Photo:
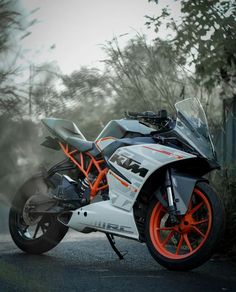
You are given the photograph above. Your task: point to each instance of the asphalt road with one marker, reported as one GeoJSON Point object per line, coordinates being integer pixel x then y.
{"type": "Point", "coordinates": [87, 263]}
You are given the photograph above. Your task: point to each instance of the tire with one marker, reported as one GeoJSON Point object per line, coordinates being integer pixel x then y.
{"type": "Point", "coordinates": [50, 231]}
{"type": "Point", "coordinates": [192, 242]}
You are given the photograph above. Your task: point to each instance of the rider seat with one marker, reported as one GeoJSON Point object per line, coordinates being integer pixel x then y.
{"type": "Point", "coordinates": [81, 145]}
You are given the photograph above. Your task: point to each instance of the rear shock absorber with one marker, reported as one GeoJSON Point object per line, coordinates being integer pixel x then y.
{"type": "Point", "coordinates": [84, 190]}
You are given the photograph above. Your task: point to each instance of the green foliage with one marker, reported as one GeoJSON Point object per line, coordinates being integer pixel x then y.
{"type": "Point", "coordinates": [225, 184]}
{"type": "Point", "coordinates": [205, 37]}
{"type": "Point", "coordinates": [143, 76]}
{"type": "Point", "coordinates": [13, 27]}
{"type": "Point", "coordinates": [140, 76]}
{"type": "Point", "coordinates": [87, 95]}
{"type": "Point", "coordinates": [86, 84]}
{"type": "Point", "coordinates": [10, 22]}
{"type": "Point", "coordinates": [44, 97]}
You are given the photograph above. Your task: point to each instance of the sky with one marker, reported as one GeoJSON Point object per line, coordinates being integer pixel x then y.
{"type": "Point", "coordinates": [78, 28]}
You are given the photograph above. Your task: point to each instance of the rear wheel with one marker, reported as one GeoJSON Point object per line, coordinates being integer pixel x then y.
{"type": "Point", "coordinates": [191, 242]}
{"type": "Point", "coordinates": [33, 234]}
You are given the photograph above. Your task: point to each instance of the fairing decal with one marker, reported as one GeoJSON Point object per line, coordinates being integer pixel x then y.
{"type": "Point", "coordinates": [149, 157]}
{"type": "Point", "coordinates": [165, 152]}
{"type": "Point", "coordinates": [104, 217]}
{"type": "Point", "coordinates": [129, 164]}
{"type": "Point", "coordinates": [104, 142]}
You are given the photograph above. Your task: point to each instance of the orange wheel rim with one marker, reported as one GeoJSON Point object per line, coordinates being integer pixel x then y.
{"type": "Point", "coordinates": [187, 237]}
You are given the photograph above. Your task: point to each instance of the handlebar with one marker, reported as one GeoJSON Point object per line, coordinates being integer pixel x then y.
{"type": "Point", "coordinates": [162, 114]}
{"type": "Point", "coordinates": [147, 114]}
{"type": "Point", "coordinates": [159, 119]}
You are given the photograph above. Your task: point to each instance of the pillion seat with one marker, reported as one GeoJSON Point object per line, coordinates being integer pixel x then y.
{"type": "Point", "coordinates": [67, 131]}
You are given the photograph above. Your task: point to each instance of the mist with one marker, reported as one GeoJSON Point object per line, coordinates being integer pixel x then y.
{"type": "Point", "coordinates": [90, 63]}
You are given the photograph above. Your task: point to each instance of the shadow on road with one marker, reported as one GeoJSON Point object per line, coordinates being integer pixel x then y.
{"type": "Point", "coordinates": [86, 263]}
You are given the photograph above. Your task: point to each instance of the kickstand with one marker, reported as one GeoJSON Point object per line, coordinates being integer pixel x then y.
{"type": "Point", "coordinates": [112, 242]}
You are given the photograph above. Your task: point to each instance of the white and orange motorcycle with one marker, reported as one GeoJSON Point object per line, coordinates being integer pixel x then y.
{"type": "Point", "coordinates": [142, 178]}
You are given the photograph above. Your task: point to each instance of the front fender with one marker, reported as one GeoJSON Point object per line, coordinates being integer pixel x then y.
{"type": "Point", "coordinates": [182, 187]}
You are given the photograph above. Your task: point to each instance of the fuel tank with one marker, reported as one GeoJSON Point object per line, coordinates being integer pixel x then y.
{"type": "Point", "coordinates": [124, 128]}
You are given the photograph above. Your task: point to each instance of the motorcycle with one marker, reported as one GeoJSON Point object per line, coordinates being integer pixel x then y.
{"type": "Point", "coordinates": [142, 179]}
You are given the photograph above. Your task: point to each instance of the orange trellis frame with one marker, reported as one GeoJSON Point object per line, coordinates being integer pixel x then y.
{"type": "Point", "coordinates": [100, 183]}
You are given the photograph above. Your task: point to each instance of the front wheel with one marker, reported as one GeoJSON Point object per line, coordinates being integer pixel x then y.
{"type": "Point", "coordinates": [192, 241]}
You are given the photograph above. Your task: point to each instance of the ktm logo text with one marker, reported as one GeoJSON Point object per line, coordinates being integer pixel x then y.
{"type": "Point", "coordinates": [129, 164]}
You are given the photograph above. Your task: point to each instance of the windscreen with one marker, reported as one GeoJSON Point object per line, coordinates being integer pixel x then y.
{"type": "Point", "coordinates": [192, 125]}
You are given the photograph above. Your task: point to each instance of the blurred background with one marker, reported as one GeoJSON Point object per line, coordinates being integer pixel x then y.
{"type": "Point", "coordinates": [89, 61]}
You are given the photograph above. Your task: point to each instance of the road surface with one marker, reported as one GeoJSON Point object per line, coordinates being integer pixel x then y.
{"type": "Point", "coordinates": [87, 263]}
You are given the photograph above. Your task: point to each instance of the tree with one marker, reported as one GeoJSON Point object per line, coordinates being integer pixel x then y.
{"type": "Point", "coordinates": [87, 94]}
{"type": "Point", "coordinates": [19, 145]}
{"type": "Point", "coordinates": [143, 76]}
{"type": "Point", "coordinates": [205, 37]}
{"type": "Point", "coordinates": [13, 28]}
{"type": "Point", "coordinates": [44, 97]}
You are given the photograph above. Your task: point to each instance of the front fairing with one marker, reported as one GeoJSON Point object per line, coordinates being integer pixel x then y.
{"type": "Point", "coordinates": [191, 125]}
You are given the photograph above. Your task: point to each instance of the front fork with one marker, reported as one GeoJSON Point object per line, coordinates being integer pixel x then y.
{"type": "Point", "coordinates": [179, 188]}
{"type": "Point", "coordinates": [171, 209]}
